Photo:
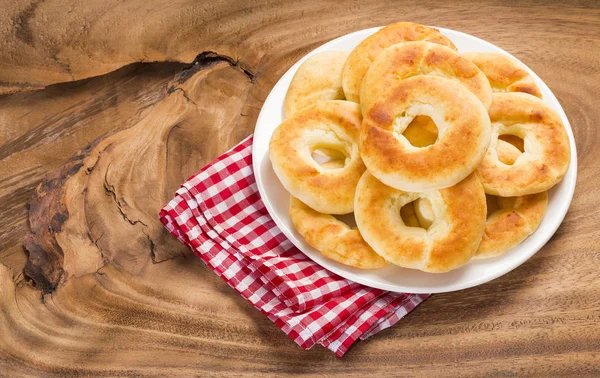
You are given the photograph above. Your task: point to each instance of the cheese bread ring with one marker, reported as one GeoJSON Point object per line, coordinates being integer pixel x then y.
{"type": "Point", "coordinates": [546, 155]}
{"type": "Point", "coordinates": [449, 242]}
{"type": "Point", "coordinates": [319, 78]}
{"type": "Point", "coordinates": [366, 52]}
{"type": "Point", "coordinates": [409, 59]}
{"type": "Point", "coordinates": [514, 220]}
{"type": "Point", "coordinates": [333, 238]}
{"type": "Point", "coordinates": [332, 125]}
{"type": "Point", "coordinates": [504, 73]}
{"type": "Point", "coordinates": [462, 141]}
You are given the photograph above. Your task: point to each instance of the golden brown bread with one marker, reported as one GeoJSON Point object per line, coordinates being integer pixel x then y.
{"type": "Point", "coordinates": [333, 238]}
{"type": "Point", "coordinates": [332, 125]}
{"type": "Point", "coordinates": [504, 73]}
{"type": "Point", "coordinates": [546, 154]}
{"type": "Point", "coordinates": [425, 130]}
{"type": "Point", "coordinates": [449, 242]}
{"type": "Point", "coordinates": [464, 134]}
{"type": "Point", "coordinates": [404, 60]}
{"type": "Point", "coordinates": [510, 219]}
{"type": "Point", "coordinates": [319, 78]}
{"type": "Point", "coordinates": [515, 219]}
{"type": "Point", "coordinates": [360, 58]}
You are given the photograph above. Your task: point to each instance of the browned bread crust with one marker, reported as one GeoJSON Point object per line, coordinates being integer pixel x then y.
{"type": "Point", "coordinates": [464, 134]}
{"type": "Point", "coordinates": [329, 124]}
{"type": "Point", "coordinates": [319, 78]}
{"type": "Point", "coordinates": [409, 59]}
{"type": "Point", "coordinates": [333, 238]}
{"type": "Point", "coordinates": [366, 52]}
{"type": "Point", "coordinates": [448, 243]}
{"type": "Point", "coordinates": [504, 73]}
{"type": "Point", "coordinates": [547, 152]}
{"type": "Point", "coordinates": [514, 220]}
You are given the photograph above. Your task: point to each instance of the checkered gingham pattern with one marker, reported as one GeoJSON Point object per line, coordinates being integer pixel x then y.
{"type": "Point", "coordinates": [218, 213]}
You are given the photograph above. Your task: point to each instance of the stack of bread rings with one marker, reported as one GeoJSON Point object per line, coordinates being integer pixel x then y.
{"type": "Point", "coordinates": [441, 157]}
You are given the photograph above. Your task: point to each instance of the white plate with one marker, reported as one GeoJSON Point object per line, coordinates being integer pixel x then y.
{"type": "Point", "coordinates": [395, 278]}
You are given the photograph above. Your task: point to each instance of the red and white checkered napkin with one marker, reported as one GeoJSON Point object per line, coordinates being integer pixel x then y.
{"type": "Point", "coordinates": [219, 214]}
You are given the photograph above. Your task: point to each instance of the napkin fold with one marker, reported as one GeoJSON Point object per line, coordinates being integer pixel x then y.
{"type": "Point", "coordinates": [219, 214]}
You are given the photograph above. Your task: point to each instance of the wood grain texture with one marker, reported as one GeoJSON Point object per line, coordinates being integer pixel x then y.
{"type": "Point", "coordinates": [86, 163]}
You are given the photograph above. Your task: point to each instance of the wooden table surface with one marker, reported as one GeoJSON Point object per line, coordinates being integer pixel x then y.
{"type": "Point", "coordinates": [94, 139]}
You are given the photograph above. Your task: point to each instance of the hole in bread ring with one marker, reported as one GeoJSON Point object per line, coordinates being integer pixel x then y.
{"type": "Point", "coordinates": [504, 73]}
{"type": "Point", "coordinates": [510, 221]}
{"type": "Point", "coordinates": [366, 52]}
{"type": "Point", "coordinates": [450, 241]}
{"type": "Point", "coordinates": [330, 157]}
{"type": "Point", "coordinates": [421, 131]}
{"type": "Point", "coordinates": [333, 238]}
{"type": "Point", "coordinates": [332, 125]}
{"type": "Point", "coordinates": [404, 60]}
{"type": "Point", "coordinates": [507, 152]}
{"type": "Point", "coordinates": [546, 154]}
{"type": "Point", "coordinates": [463, 134]}
{"type": "Point", "coordinates": [418, 213]}
{"type": "Point", "coordinates": [513, 140]}
{"type": "Point", "coordinates": [424, 212]}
